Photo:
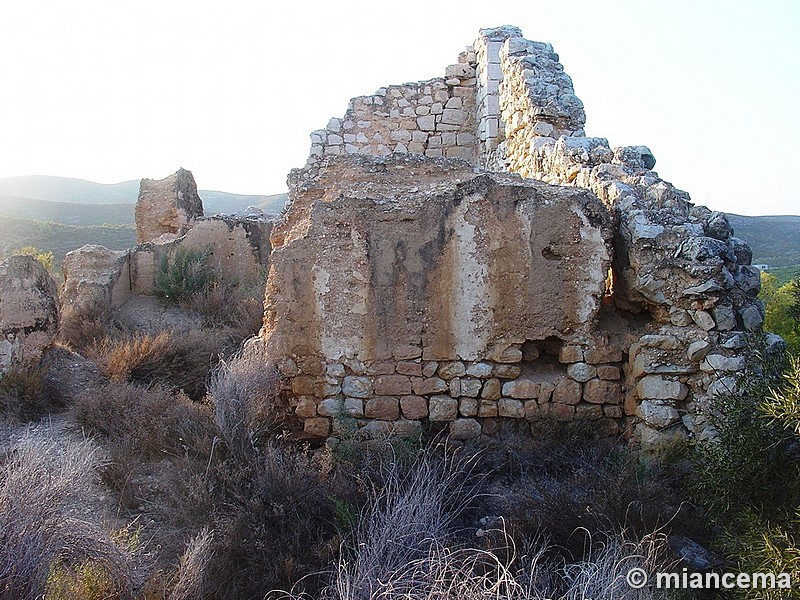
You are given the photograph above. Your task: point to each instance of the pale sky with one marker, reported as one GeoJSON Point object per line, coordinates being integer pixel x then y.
{"type": "Point", "coordinates": [111, 91]}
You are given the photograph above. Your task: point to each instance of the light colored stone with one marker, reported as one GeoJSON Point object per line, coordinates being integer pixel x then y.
{"type": "Point", "coordinates": [658, 414]}
{"type": "Point", "coordinates": [719, 362]}
{"type": "Point", "coordinates": [471, 387]}
{"type": "Point", "coordinates": [353, 407]}
{"type": "Point", "coordinates": [698, 350]}
{"type": "Point", "coordinates": [357, 387]}
{"type": "Point", "coordinates": [655, 387]}
{"type": "Point", "coordinates": [581, 371]}
{"type": "Point", "coordinates": [480, 370]}
{"type": "Point", "coordinates": [507, 371]}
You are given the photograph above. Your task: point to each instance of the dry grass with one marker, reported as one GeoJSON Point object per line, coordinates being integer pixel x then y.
{"type": "Point", "coordinates": [80, 330]}
{"type": "Point", "coordinates": [147, 423]}
{"type": "Point", "coordinates": [193, 567]}
{"type": "Point", "coordinates": [244, 392]}
{"type": "Point", "coordinates": [178, 361]}
{"type": "Point", "coordinates": [25, 395]}
{"type": "Point", "coordinates": [231, 305]}
{"type": "Point", "coordinates": [42, 481]}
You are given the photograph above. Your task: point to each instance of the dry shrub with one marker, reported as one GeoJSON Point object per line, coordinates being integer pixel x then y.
{"type": "Point", "coordinates": [148, 423]}
{"type": "Point", "coordinates": [244, 392]}
{"type": "Point", "coordinates": [42, 480]}
{"type": "Point", "coordinates": [178, 361]}
{"type": "Point", "coordinates": [231, 305]}
{"type": "Point", "coordinates": [25, 395]}
{"type": "Point", "coordinates": [82, 329]}
{"type": "Point", "coordinates": [279, 523]}
{"type": "Point", "coordinates": [193, 566]}
{"type": "Point", "coordinates": [567, 480]}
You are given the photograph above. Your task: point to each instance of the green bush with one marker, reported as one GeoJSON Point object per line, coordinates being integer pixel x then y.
{"type": "Point", "coordinates": [184, 274]}
{"type": "Point", "coordinates": [749, 477]}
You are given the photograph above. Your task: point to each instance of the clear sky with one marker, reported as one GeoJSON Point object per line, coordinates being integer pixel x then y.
{"type": "Point", "coordinates": [111, 91]}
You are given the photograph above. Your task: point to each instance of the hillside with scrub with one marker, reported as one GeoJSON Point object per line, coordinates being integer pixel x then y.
{"type": "Point", "coordinates": [478, 355]}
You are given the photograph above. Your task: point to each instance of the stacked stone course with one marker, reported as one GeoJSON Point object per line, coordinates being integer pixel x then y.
{"type": "Point", "coordinates": [681, 294]}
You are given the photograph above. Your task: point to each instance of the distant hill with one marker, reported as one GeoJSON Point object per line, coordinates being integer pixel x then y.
{"type": "Point", "coordinates": [80, 191]}
{"type": "Point", "coordinates": [60, 239]}
{"type": "Point", "coordinates": [68, 213]}
{"type": "Point", "coordinates": [775, 240]}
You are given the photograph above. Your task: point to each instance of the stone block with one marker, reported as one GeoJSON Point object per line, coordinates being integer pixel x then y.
{"type": "Point", "coordinates": [719, 362]}
{"type": "Point", "coordinates": [384, 408]}
{"type": "Point", "coordinates": [603, 354]}
{"type": "Point", "coordinates": [491, 389]}
{"type": "Point", "coordinates": [448, 370]}
{"type": "Point", "coordinates": [429, 369]}
{"type": "Point", "coordinates": [570, 354]}
{"type": "Point", "coordinates": [414, 407]}
{"type": "Point", "coordinates": [442, 408]}
{"type": "Point", "coordinates": [353, 407]}
{"type": "Point", "coordinates": [521, 388]}
{"type": "Point", "coordinates": [412, 369]}
{"type": "Point", "coordinates": [608, 372]}
{"type": "Point", "coordinates": [588, 412]}
{"type": "Point", "coordinates": [510, 407]}
{"type": "Point", "coordinates": [392, 385]}
{"type": "Point", "coordinates": [430, 385]}
{"type": "Point", "coordinates": [562, 412]}
{"type": "Point", "coordinates": [468, 407]}
{"type": "Point", "coordinates": [464, 429]}
{"type": "Point", "coordinates": [471, 387]}
{"type": "Point", "coordinates": [356, 387]}
{"type": "Point", "coordinates": [567, 391]}
{"type": "Point", "coordinates": [426, 123]}
{"type": "Point", "coordinates": [598, 391]}
{"type": "Point", "coordinates": [507, 371]}
{"type": "Point", "coordinates": [331, 407]}
{"type": "Point", "coordinates": [614, 412]}
{"type": "Point", "coordinates": [303, 385]}
{"type": "Point", "coordinates": [658, 414]}
{"type": "Point", "coordinates": [317, 426]}
{"type": "Point", "coordinates": [698, 350]}
{"type": "Point", "coordinates": [546, 392]}
{"type": "Point", "coordinates": [481, 370]}
{"type": "Point", "coordinates": [581, 371]}
{"type": "Point", "coordinates": [306, 407]}
{"type": "Point", "coordinates": [487, 408]}
{"type": "Point", "coordinates": [654, 387]}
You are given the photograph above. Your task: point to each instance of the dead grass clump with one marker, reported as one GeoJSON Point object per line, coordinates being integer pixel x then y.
{"type": "Point", "coordinates": [80, 330]}
{"type": "Point", "coordinates": [180, 362]}
{"type": "Point", "coordinates": [193, 567]}
{"type": "Point", "coordinates": [233, 305]}
{"type": "Point", "coordinates": [279, 524]}
{"type": "Point", "coordinates": [41, 484]}
{"type": "Point", "coordinates": [244, 392]}
{"type": "Point", "coordinates": [25, 395]}
{"type": "Point", "coordinates": [150, 423]}
{"type": "Point", "coordinates": [567, 481]}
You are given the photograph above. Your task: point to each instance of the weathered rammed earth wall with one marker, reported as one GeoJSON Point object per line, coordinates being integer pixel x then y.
{"type": "Point", "coordinates": [406, 290]}
{"type": "Point", "coordinates": [28, 312]}
{"type": "Point", "coordinates": [169, 218]}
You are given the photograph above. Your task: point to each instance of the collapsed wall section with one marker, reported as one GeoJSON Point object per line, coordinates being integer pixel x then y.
{"type": "Point", "coordinates": [405, 290]}
{"type": "Point", "coordinates": [28, 312]}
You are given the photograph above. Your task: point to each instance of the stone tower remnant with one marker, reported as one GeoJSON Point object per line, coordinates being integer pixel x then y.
{"type": "Point", "coordinates": [169, 205]}
{"type": "Point", "coordinates": [458, 251]}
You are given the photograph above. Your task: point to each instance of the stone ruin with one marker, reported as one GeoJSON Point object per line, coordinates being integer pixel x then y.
{"type": "Point", "coordinates": [28, 312]}
{"type": "Point", "coordinates": [457, 251]}
{"type": "Point", "coordinates": [169, 218]}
